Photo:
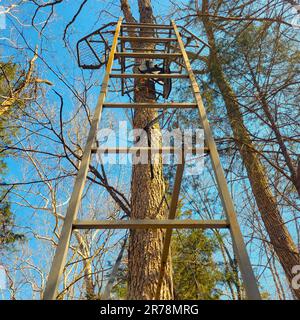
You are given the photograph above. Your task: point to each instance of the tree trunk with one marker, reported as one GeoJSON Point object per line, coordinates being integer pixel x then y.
{"type": "Point", "coordinates": [280, 238]}
{"type": "Point", "coordinates": [147, 189]}
{"type": "Point", "coordinates": [87, 266]}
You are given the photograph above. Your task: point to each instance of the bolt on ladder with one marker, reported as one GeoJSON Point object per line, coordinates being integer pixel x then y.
{"type": "Point", "coordinates": [70, 222]}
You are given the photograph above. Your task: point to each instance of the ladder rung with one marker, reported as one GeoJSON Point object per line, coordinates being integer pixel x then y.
{"type": "Point", "coordinates": [147, 55]}
{"type": "Point", "coordinates": [146, 25]}
{"type": "Point", "coordinates": [149, 75]}
{"type": "Point", "coordinates": [150, 224]}
{"type": "Point", "coordinates": [151, 105]}
{"type": "Point", "coordinates": [167, 150]}
{"type": "Point", "coordinates": [157, 32]}
{"type": "Point", "coordinates": [133, 49]}
{"type": "Point", "coordinates": [147, 39]}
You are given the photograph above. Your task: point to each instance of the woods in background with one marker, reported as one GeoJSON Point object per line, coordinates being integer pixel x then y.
{"type": "Point", "coordinates": [250, 85]}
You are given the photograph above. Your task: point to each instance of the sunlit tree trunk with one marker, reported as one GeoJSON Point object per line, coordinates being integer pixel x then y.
{"type": "Point", "coordinates": [147, 190]}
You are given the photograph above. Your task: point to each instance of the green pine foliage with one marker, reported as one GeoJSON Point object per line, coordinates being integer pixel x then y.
{"type": "Point", "coordinates": [7, 236]}
{"type": "Point", "coordinates": [196, 274]}
{"type": "Point", "coordinates": [8, 75]}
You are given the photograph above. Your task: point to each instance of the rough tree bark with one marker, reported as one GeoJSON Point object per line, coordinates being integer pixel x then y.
{"type": "Point", "coordinates": [147, 188]}
{"type": "Point", "coordinates": [283, 244]}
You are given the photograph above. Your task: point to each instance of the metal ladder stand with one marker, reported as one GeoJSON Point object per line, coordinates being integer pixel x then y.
{"type": "Point", "coordinates": [70, 222]}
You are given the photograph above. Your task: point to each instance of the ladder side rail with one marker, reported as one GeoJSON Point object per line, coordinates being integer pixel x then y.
{"type": "Point", "coordinates": [59, 260]}
{"type": "Point", "coordinates": [239, 247]}
{"type": "Point", "coordinates": [122, 62]}
{"type": "Point", "coordinates": [168, 234]}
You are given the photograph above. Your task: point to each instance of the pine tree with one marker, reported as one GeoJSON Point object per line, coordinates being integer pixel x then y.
{"type": "Point", "coordinates": [281, 239]}
{"type": "Point", "coordinates": [8, 73]}
{"type": "Point", "coordinates": [147, 186]}
{"type": "Point", "coordinates": [196, 275]}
